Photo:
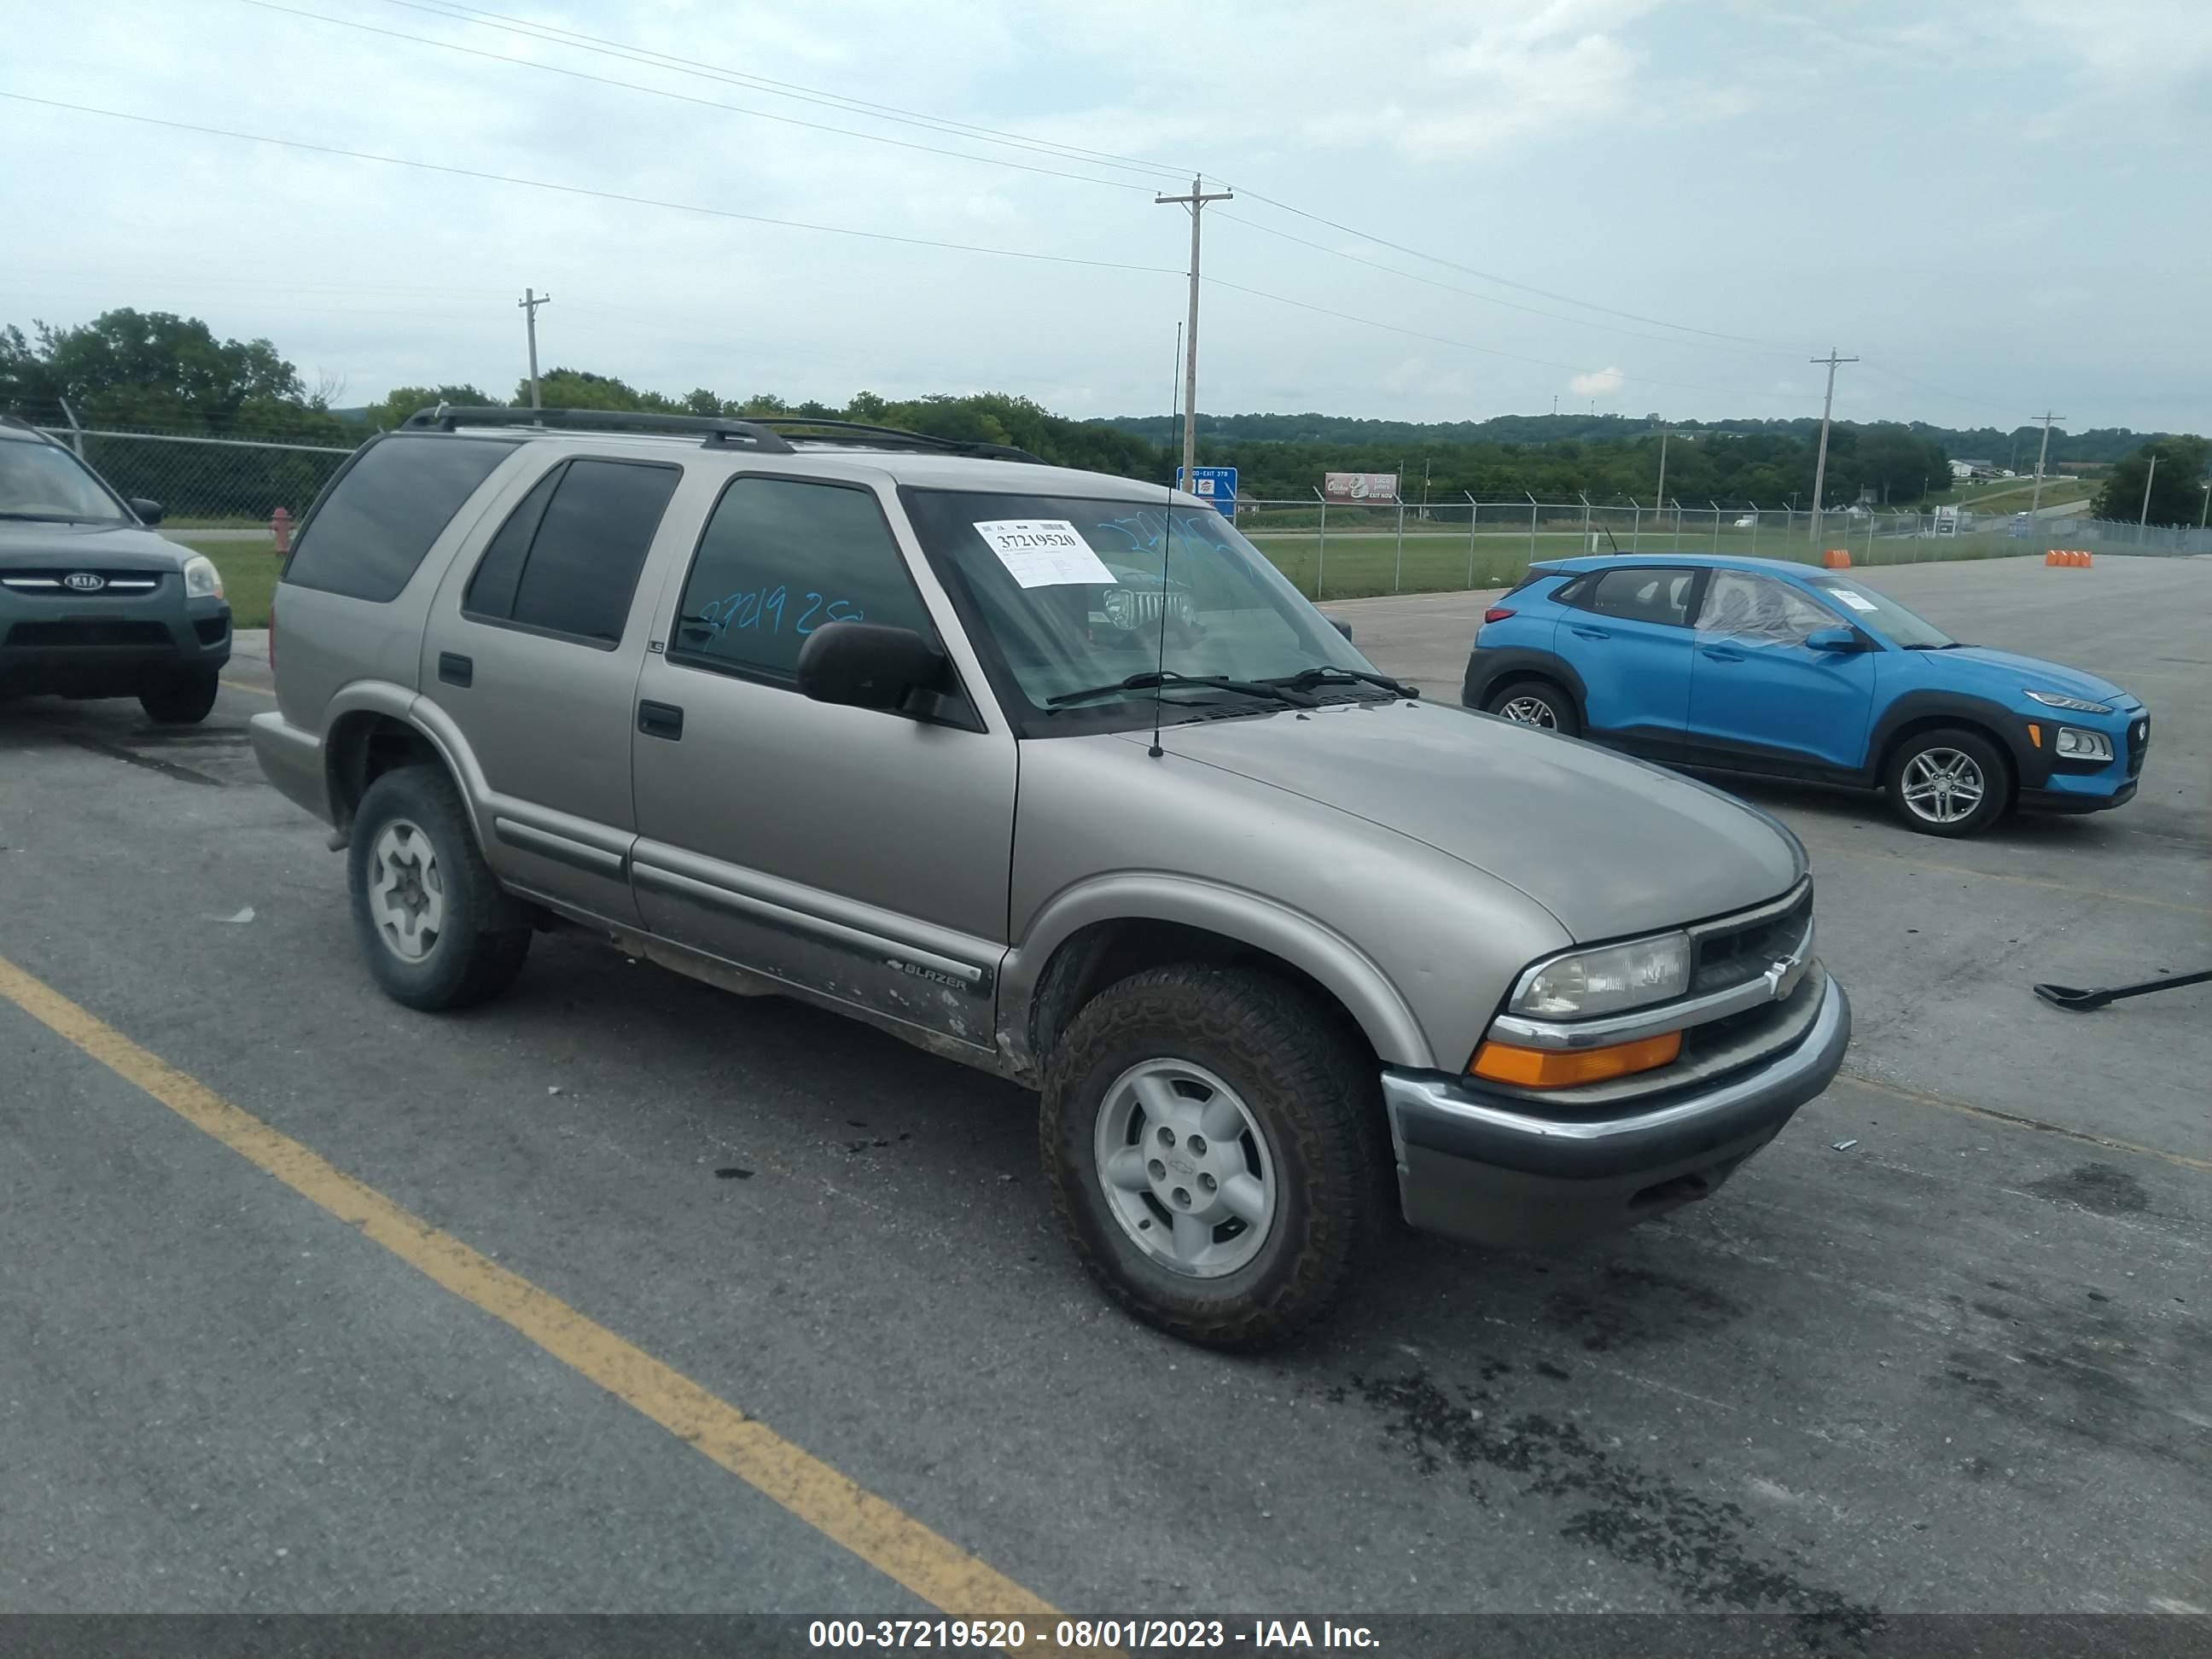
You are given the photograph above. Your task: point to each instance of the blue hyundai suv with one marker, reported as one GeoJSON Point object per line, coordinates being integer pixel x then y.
{"type": "Point", "coordinates": [1763, 666]}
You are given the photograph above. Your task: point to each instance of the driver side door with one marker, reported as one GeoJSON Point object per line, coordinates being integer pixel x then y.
{"type": "Point", "coordinates": [1759, 699]}
{"type": "Point", "coordinates": [860, 854]}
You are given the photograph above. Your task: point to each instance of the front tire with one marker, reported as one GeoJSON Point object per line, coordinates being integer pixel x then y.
{"type": "Point", "coordinates": [1208, 1135]}
{"type": "Point", "coordinates": [183, 699]}
{"type": "Point", "coordinates": [1536, 703]}
{"type": "Point", "coordinates": [437, 930]}
{"type": "Point", "coordinates": [1949, 782]}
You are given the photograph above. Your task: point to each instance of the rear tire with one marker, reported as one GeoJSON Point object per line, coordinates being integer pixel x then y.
{"type": "Point", "coordinates": [438, 931]}
{"type": "Point", "coordinates": [1949, 781]}
{"type": "Point", "coordinates": [1208, 1137]}
{"type": "Point", "coordinates": [1538, 703]}
{"type": "Point", "coordinates": [183, 699]}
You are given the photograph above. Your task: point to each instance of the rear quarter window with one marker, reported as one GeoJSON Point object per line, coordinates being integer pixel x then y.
{"type": "Point", "coordinates": [370, 533]}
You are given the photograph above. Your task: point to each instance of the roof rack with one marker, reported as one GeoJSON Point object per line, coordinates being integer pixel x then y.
{"type": "Point", "coordinates": [806, 427]}
{"type": "Point", "coordinates": [448, 418]}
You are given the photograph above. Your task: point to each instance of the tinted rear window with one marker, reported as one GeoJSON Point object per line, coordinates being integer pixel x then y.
{"type": "Point", "coordinates": [588, 547]}
{"type": "Point", "coordinates": [382, 516]}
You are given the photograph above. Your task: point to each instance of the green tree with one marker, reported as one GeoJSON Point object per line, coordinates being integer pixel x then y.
{"type": "Point", "coordinates": [400, 402]}
{"type": "Point", "coordinates": [153, 369]}
{"type": "Point", "coordinates": [2176, 489]}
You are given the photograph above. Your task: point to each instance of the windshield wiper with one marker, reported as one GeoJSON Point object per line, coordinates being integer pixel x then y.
{"type": "Point", "coordinates": [1329, 674]}
{"type": "Point", "coordinates": [1167, 679]}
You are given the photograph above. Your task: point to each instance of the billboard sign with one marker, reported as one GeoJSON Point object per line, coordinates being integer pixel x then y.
{"type": "Point", "coordinates": [1359, 486]}
{"type": "Point", "coordinates": [1214, 485]}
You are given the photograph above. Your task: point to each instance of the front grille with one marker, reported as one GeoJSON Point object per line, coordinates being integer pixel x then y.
{"type": "Point", "coordinates": [68, 635]}
{"type": "Point", "coordinates": [2138, 744]}
{"type": "Point", "coordinates": [1735, 953]}
{"type": "Point", "coordinates": [53, 584]}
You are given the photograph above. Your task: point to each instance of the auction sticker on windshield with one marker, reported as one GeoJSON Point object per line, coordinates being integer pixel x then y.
{"type": "Point", "coordinates": [1853, 599]}
{"type": "Point", "coordinates": [1043, 552]}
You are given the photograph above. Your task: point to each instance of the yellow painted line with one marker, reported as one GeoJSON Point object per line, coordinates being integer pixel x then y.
{"type": "Point", "coordinates": [240, 685]}
{"type": "Point", "coordinates": [1827, 849]}
{"type": "Point", "coordinates": [2014, 1121]}
{"type": "Point", "coordinates": [885, 1536]}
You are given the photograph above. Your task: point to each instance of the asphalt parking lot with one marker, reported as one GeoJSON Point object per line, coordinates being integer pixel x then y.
{"type": "Point", "coordinates": [1957, 1364]}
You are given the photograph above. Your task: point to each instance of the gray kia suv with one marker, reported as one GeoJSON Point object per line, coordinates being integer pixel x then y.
{"type": "Point", "coordinates": [1051, 774]}
{"type": "Point", "coordinates": [92, 603]}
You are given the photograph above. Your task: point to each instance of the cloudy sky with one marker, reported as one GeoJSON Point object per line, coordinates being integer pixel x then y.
{"type": "Point", "coordinates": [1443, 210]}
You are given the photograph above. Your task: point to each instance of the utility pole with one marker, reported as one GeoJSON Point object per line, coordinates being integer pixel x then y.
{"type": "Point", "coordinates": [529, 302]}
{"type": "Point", "coordinates": [2205, 511]}
{"type": "Point", "coordinates": [1195, 202]}
{"type": "Point", "coordinates": [1820, 465]}
{"type": "Point", "coordinates": [1663, 431]}
{"type": "Point", "coordinates": [2144, 518]}
{"type": "Point", "coordinates": [2036, 500]}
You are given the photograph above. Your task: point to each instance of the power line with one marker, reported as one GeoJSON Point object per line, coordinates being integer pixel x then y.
{"type": "Point", "coordinates": [687, 98]}
{"type": "Point", "coordinates": [576, 41]}
{"type": "Point", "coordinates": [1502, 282]}
{"type": "Point", "coordinates": [1445, 339]}
{"type": "Point", "coordinates": [580, 41]}
{"type": "Point", "coordinates": [1487, 299]}
{"type": "Point", "coordinates": [597, 195]}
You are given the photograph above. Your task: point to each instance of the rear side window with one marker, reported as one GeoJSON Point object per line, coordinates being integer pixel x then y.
{"type": "Point", "coordinates": [369, 535]}
{"type": "Point", "coordinates": [1644, 595]}
{"type": "Point", "coordinates": [781, 557]}
{"type": "Point", "coordinates": [567, 560]}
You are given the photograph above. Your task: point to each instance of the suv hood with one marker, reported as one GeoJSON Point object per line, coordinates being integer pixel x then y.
{"type": "Point", "coordinates": [1609, 845]}
{"type": "Point", "coordinates": [2004, 674]}
{"type": "Point", "coordinates": [34, 543]}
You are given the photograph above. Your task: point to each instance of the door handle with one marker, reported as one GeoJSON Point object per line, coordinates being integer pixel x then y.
{"type": "Point", "coordinates": [1721, 653]}
{"type": "Point", "coordinates": [1591, 634]}
{"type": "Point", "coordinates": [455, 669]}
{"type": "Point", "coordinates": [660, 720]}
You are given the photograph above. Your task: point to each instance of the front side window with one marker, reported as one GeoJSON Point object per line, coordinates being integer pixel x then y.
{"type": "Point", "coordinates": [1760, 610]}
{"type": "Point", "coordinates": [781, 558]}
{"type": "Point", "coordinates": [1076, 594]}
{"type": "Point", "coordinates": [567, 560]}
{"type": "Point", "coordinates": [371, 532]}
{"type": "Point", "coordinates": [43, 481]}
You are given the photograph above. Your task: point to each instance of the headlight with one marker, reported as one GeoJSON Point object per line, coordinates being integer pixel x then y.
{"type": "Point", "coordinates": [202, 580]}
{"type": "Point", "coordinates": [1606, 981]}
{"type": "Point", "coordinates": [2052, 700]}
{"type": "Point", "coordinates": [2078, 744]}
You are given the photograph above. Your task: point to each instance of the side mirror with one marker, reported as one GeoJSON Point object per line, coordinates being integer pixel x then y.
{"type": "Point", "coordinates": [149, 512]}
{"type": "Point", "coordinates": [1340, 626]}
{"type": "Point", "coordinates": [870, 666]}
{"type": "Point", "coordinates": [1844, 640]}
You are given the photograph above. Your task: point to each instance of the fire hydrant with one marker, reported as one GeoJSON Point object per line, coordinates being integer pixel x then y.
{"type": "Point", "coordinates": [280, 527]}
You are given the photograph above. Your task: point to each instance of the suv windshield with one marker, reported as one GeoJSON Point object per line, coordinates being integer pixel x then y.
{"type": "Point", "coordinates": [43, 481]}
{"type": "Point", "coordinates": [1075, 595]}
{"type": "Point", "coordinates": [1884, 615]}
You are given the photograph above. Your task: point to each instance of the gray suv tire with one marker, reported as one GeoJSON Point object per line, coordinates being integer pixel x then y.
{"type": "Point", "coordinates": [1148, 1071]}
{"type": "Point", "coordinates": [183, 699]}
{"type": "Point", "coordinates": [436, 928]}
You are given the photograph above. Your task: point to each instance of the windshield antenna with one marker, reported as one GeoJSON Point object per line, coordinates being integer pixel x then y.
{"type": "Point", "coordinates": [1160, 680]}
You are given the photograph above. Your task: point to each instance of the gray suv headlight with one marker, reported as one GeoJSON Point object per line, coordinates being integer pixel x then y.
{"type": "Point", "coordinates": [1606, 980]}
{"type": "Point", "coordinates": [202, 580]}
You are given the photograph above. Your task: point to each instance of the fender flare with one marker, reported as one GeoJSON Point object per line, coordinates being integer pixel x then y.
{"type": "Point", "coordinates": [422, 716]}
{"type": "Point", "coordinates": [1332, 960]}
{"type": "Point", "coordinates": [1487, 669]}
{"type": "Point", "coordinates": [2030, 766]}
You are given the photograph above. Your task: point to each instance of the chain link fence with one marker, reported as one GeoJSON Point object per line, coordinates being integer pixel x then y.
{"type": "Point", "coordinates": [1342, 550]}
{"type": "Point", "coordinates": [204, 482]}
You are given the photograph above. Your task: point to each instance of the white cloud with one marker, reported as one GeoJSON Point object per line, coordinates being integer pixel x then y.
{"type": "Point", "coordinates": [1598, 383]}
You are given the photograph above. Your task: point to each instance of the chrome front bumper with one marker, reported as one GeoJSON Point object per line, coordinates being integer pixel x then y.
{"type": "Point", "coordinates": [1482, 1165]}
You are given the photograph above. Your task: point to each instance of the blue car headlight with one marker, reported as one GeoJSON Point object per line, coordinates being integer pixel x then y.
{"type": "Point", "coordinates": [2052, 700]}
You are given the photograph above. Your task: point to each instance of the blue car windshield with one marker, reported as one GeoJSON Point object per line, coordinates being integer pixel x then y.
{"type": "Point", "coordinates": [1882, 614]}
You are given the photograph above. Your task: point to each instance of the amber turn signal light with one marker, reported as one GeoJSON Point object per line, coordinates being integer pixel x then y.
{"type": "Point", "coordinates": [1557, 1068]}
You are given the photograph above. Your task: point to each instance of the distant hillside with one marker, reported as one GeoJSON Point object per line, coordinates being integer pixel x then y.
{"type": "Point", "coordinates": [2015, 448]}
